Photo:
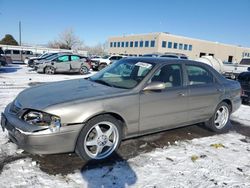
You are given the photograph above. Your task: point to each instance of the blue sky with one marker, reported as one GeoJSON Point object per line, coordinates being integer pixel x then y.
{"type": "Point", "coordinates": [94, 21]}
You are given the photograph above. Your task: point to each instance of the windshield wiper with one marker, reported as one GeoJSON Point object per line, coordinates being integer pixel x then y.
{"type": "Point", "coordinates": [102, 82]}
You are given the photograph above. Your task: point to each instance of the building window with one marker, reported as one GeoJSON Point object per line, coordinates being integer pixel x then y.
{"type": "Point", "coordinates": [141, 43]}
{"type": "Point", "coordinates": [118, 44]}
{"type": "Point", "coordinates": [126, 44]}
{"type": "Point", "coordinates": [146, 43]}
{"type": "Point", "coordinates": [152, 43]}
{"type": "Point", "coordinates": [111, 44]}
{"type": "Point", "coordinates": [190, 47]}
{"type": "Point", "coordinates": [122, 44]}
{"type": "Point", "coordinates": [185, 46]}
{"type": "Point", "coordinates": [180, 46]}
{"type": "Point", "coordinates": [131, 43]}
{"type": "Point", "coordinates": [175, 45]}
{"type": "Point", "coordinates": [114, 44]}
{"type": "Point", "coordinates": [169, 44]}
{"type": "Point", "coordinates": [163, 44]}
{"type": "Point", "coordinates": [136, 43]}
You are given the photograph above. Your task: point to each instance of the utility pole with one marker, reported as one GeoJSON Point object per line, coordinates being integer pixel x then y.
{"type": "Point", "coordinates": [20, 33]}
{"type": "Point", "coordinates": [20, 39]}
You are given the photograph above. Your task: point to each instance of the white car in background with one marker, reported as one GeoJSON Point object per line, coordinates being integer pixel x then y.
{"type": "Point", "coordinates": [100, 63]}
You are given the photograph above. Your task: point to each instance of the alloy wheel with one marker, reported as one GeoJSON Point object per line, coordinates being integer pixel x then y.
{"type": "Point", "coordinates": [101, 140]}
{"type": "Point", "coordinates": [221, 117]}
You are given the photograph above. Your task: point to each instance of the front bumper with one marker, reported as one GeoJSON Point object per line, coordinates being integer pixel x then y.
{"type": "Point", "coordinates": [94, 64]}
{"type": "Point", "coordinates": [39, 142]}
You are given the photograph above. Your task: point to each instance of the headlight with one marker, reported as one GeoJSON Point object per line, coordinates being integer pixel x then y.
{"type": "Point", "coordinates": [42, 119]}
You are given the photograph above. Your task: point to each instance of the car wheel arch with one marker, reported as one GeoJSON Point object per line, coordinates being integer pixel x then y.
{"type": "Point", "coordinates": [116, 116]}
{"type": "Point", "coordinates": [113, 114]}
{"type": "Point", "coordinates": [48, 66]}
{"type": "Point", "coordinates": [229, 102]}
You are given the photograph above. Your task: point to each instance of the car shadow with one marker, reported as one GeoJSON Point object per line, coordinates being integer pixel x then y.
{"type": "Point", "coordinates": [112, 172]}
{"type": "Point", "coordinates": [9, 69]}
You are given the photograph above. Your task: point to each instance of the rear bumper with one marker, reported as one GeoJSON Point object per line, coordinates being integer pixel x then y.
{"type": "Point", "coordinates": [236, 104]}
{"type": "Point", "coordinates": [40, 142]}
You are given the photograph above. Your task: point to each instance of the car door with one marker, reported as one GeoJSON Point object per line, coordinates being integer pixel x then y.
{"type": "Point", "coordinates": [62, 63]}
{"type": "Point", "coordinates": [204, 92]}
{"type": "Point", "coordinates": [75, 62]}
{"type": "Point", "coordinates": [166, 108]}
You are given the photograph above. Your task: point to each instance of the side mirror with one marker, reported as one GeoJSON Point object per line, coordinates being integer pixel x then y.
{"type": "Point", "coordinates": [154, 86]}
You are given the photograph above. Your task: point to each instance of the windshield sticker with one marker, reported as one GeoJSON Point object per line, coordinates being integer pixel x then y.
{"type": "Point", "coordinates": [144, 65]}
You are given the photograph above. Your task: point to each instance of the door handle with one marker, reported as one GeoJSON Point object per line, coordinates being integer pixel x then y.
{"type": "Point", "coordinates": [181, 94]}
{"type": "Point", "coordinates": [219, 89]}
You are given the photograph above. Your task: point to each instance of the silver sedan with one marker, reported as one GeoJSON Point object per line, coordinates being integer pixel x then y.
{"type": "Point", "coordinates": [132, 97]}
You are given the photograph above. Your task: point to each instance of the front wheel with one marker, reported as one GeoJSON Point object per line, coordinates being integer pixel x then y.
{"type": "Point", "coordinates": [99, 138]}
{"type": "Point", "coordinates": [83, 70]}
{"type": "Point", "coordinates": [220, 122]}
{"type": "Point", "coordinates": [49, 70]}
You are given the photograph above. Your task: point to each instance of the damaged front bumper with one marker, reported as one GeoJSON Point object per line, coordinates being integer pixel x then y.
{"type": "Point", "coordinates": [35, 139]}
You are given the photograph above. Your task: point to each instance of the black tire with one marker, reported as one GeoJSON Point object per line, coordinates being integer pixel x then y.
{"type": "Point", "coordinates": [83, 70]}
{"type": "Point", "coordinates": [49, 70]}
{"type": "Point", "coordinates": [86, 151]}
{"type": "Point", "coordinates": [225, 121]}
{"type": "Point", "coordinates": [102, 66]}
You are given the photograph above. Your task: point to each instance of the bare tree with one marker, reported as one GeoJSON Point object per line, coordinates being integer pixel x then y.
{"type": "Point", "coordinates": [95, 50]}
{"type": "Point", "coordinates": [67, 40]}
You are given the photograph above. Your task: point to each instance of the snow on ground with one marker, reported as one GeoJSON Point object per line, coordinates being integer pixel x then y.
{"type": "Point", "coordinates": [216, 161]}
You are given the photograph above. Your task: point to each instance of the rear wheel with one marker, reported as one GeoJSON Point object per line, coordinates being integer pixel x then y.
{"type": "Point", "coordinates": [49, 70]}
{"type": "Point", "coordinates": [83, 70]}
{"type": "Point", "coordinates": [99, 138]}
{"type": "Point", "coordinates": [220, 122]}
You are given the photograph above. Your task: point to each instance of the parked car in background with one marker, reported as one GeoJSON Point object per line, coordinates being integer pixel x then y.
{"type": "Point", "coordinates": [18, 55]}
{"type": "Point", "coordinates": [233, 70]}
{"type": "Point", "coordinates": [49, 57]}
{"type": "Point", "coordinates": [4, 59]}
{"type": "Point", "coordinates": [64, 63]}
{"type": "Point", "coordinates": [100, 63]}
{"type": "Point", "coordinates": [168, 55]}
{"type": "Point", "coordinates": [132, 97]}
{"type": "Point", "coordinates": [33, 60]}
{"type": "Point", "coordinates": [244, 79]}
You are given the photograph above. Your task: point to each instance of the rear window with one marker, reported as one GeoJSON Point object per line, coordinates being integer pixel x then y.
{"type": "Point", "coordinates": [245, 62]}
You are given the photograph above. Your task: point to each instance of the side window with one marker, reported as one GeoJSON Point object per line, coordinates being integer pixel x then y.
{"type": "Point", "coordinates": [75, 58]}
{"type": "Point", "coordinates": [169, 74]}
{"type": "Point", "coordinates": [64, 58]}
{"type": "Point", "coordinates": [16, 52]}
{"type": "Point", "coordinates": [7, 51]}
{"type": "Point", "coordinates": [112, 58]}
{"type": "Point", "coordinates": [198, 75]}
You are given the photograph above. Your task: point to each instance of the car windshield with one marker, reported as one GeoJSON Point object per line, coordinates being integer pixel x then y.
{"type": "Point", "coordinates": [123, 74]}
{"type": "Point", "coordinates": [43, 55]}
{"type": "Point", "coordinates": [105, 57]}
{"type": "Point", "coordinates": [51, 56]}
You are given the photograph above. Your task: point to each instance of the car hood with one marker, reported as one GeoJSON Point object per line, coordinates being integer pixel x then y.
{"type": "Point", "coordinates": [40, 97]}
{"type": "Point", "coordinates": [98, 59]}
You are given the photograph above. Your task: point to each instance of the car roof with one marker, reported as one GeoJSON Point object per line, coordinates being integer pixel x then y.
{"type": "Point", "coordinates": [159, 60]}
